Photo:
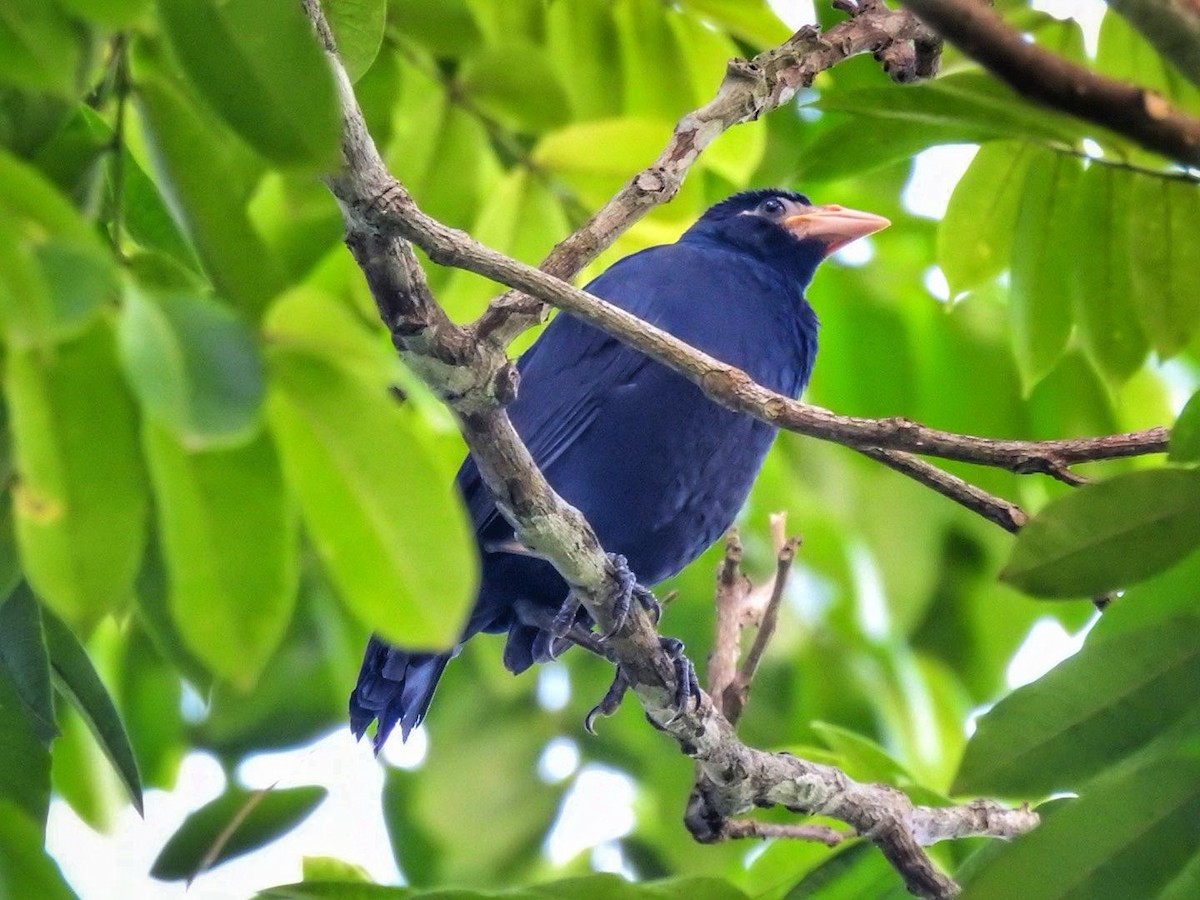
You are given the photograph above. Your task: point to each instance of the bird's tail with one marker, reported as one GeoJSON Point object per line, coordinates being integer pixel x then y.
{"type": "Point", "coordinates": [394, 686]}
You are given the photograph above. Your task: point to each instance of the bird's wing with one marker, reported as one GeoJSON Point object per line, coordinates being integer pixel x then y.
{"type": "Point", "coordinates": [568, 372]}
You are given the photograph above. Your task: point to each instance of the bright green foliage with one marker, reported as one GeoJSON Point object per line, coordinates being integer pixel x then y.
{"type": "Point", "coordinates": [227, 532]}
{"type": "Point", "coordinates": [80, 503]}
{"type": "Point", "coordinates": [217, 476]}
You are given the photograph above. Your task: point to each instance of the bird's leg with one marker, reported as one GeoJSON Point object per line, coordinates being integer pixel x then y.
{"type": "Point", "coordinates": [537, 616]}
{"type": "Point", "coordinates": [626, 591]}
{"type": "Point", "coordinates": [687, 686]}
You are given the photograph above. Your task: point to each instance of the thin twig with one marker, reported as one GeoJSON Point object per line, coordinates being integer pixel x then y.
{"type": "Point", "coordinates": [736, 829]}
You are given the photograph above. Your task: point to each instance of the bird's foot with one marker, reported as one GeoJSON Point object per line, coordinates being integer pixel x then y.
{"type": "Point", "coordinates": [687, 687]}
{"type": "Point", "coordinates": [626, 591]}
{"type": "Point", "coordinates": [609, 703]}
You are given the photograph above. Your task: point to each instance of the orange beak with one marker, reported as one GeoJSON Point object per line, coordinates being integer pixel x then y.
{"type": "Point", "coordinates": [835, 226]}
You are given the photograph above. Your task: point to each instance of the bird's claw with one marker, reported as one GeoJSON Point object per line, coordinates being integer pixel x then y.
{"type": "Point", "coordinates": [687, 687]}
{"type": "Point", "coordinates": [609, 703]}
{"type": "Point", "coordinates": [626, 591]}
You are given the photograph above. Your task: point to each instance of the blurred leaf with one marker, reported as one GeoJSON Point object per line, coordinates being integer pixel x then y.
{"type": "Point", "coordinates": [651, 61]}
{"type": "Point", "coordinates": [1098, 243]}
{"type": "Point", "coordinates": [257, 63]}
{"type": "Point", "coordinates": [23, 654]}
{"type": "Point", "coordinates": [581, 43]}
{"type": "Point", "coordinates": [76, 679]}
{"type": "Point", "coordinates": [1040, 294]}
{"type": "Point", "coordinates": [1130, 833]}
{"type": "Point", "coordinates": [24, 759]}
{"type": "Point", "coordinates": [975, 235]}
{"type": "Point", "coordinates": [109, 13]}
{"type": "Point", "coordinates": [235, 823]}
{"type": "Point", "coordinates": [1089, 713]}
{"type": "Point", "coordinates": [444, 27]}
{"type": "Point", "coordinates": [754, 22]}
{"type": "Point", "coordinates": [609, 886]}
{"type": "Point", "coordinates": [358, 31]}
{"type": "Point", "coordinates": [857, 870]}
{"type": "Point", "coordinates": [383, 514]}
{"type": "Point", "coordinates": [326, 868]}
{"type": "Point", "coordinates": [415, 849]}
{"type": "Point", "coordinates": [516, 85]}
{"type": "Point", "coordinates": [343, 890]}
{"type": "Point", "coordinates": [1108, 535]}
{"type": "Point", "coordinates": [54, 273]}
{"type": "Point", "coordinates": [26, 870]}
{"type": "Point", "coordinates": [1124, 54]}
{"type": "Point", "coordinates": [1164, 258]}
{"type": "Point", "coordinates": [229, 539]}
{"type": "Point", "coordinates": [39, 47]}
{"type": "Point", "coordinates": [80, 502]}
{"type": "Point", "coordinates": [193, 365]}
{"type": "Point", "coordinates": [1185, 436]}
{"type": "Point", "coordinates": [189, 159]}
{"type": "Point", "coordinates": [149, 693]}
{"type": "Point", "coordinates": [631, 144]}
{"type": "Point", "coordinates": [861, 757]}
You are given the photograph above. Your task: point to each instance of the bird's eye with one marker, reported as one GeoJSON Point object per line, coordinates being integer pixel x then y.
{"type": "Point", "coordinates": [772, 207]}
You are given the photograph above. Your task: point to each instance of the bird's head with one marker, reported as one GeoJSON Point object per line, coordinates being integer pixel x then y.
{"type": "Point", "coordinates": [784, 229]}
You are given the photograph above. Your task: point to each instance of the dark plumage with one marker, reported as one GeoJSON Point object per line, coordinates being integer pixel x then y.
{"type": "Point", "coordinates": [658, 469]}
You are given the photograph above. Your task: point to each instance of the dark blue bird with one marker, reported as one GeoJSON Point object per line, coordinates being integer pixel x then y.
{"type": "Point", "coordinates": [659, 470]}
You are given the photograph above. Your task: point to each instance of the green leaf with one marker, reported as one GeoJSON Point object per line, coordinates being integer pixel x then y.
{"type": "Point", "coordinates": [54, 273]}
{"type": "Point", "coordinates": [76, 679]}
{"type": "Point", "coordinates": [1040, 295]}
{"type": "Point", "coordinates": [753, 21]}
{"type": "Point", "coordinates": [447, 28]}
{"type": "Point", "coordinates": [630, 144]}
{"type": "Point", "coordinates": [26, 870]}
{"type": "Point", "coordinates": [235, 823]}
{"type": "Point", "coordinates": [40, 48]}
{"type": "Point", "coordinates": [229, 540]}
{"type": "Point", "coordinates": [581, 42]}
{"type": "Point", "coordinates": [257, 63]}
{"type": "Point", "coordinates": [382, 513]}
{"type": "Point", "coordinates": [112, 14]}
{"type": "Point", "coordinates": [326, 868]}
{"type": "Point", "coordinates": [1108, 535]}
{"type": "Point", "coordinates": [1128, 836]}
{"type": "Point", "coordinates": [358, 31]}
{"type": "Point", "coordinates": [1087, 714]}
{"type": "Point", "coordinates": [189, 160]}
{"type": "Point", "coordinates": [1185, 436]}
{"type": "Point", "coordinates": [80, 500]}
{"type": "Point", "coordinates": [857, 870]}
{"type": "Point", "coordinates": [1165, 257]}
{"type": "Point", "coordinates": [23, 653]}
{"type": "Point", "coordinates": [1099, 245]}
{"type": "Point", "coordinates": [417, 852]}
{"type": "Point", "coordinates": [193, 365]}
{"type": "Point", "coordinates": [341, 890]}
{"type": "Point", "coordinates": [515, 84]}
{"type": "Point", "coordinates": [975, 236]}
{"type": "Point", "coordinates": [24, 759]}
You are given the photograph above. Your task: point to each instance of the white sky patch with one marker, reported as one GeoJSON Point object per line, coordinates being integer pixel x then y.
{"type": "Point", "coordinates": [935, 173]}
{"type": "Point", "coordinates": [408, 754]}
{"type": "Point", "coordinates": [553, 686]}
{"type": "Point", "coordinates": [935, 282]}
{"type": "Point", "coordinates": [856, 253]}
{"type": "Point", "coordinates": [558, 761]}
{"type": "Point", "coordinates": [1182, 379]}
{"type": "Point", "coordinates": [1046, 645]}
{"type": "Point", "coordinates": [597, 808]}
{"type": "Point", "coordinates": [794, 13]}
{"type": "Point", "coordinates": [1087, 13]}
{"type": "Point", "coordinates": [973, 718]}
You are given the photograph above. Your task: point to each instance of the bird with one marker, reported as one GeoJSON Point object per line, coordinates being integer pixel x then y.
{"type": "Point", "coordinates": [658, 469]}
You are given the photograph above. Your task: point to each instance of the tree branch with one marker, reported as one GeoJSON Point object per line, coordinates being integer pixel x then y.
{"type": "Point", "coordinates": [1036, 73]}
{"type": "Point", "coordinates": [475, 381]}
{"type": "Point", "coordinates": [750, 89]}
